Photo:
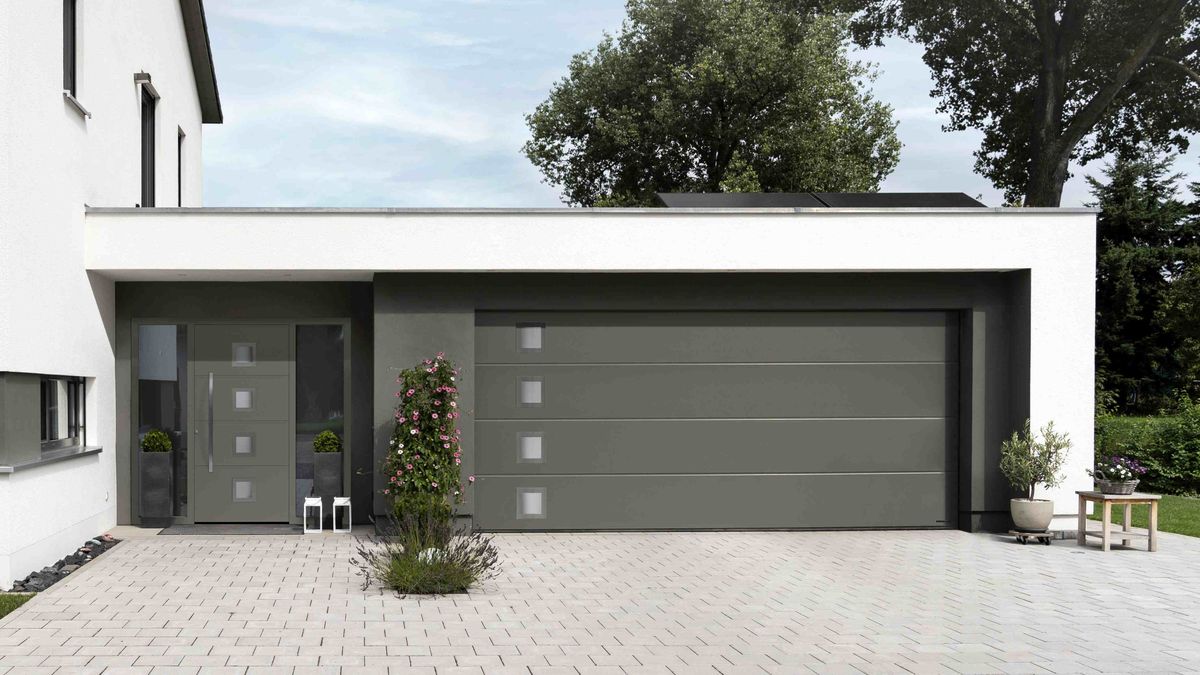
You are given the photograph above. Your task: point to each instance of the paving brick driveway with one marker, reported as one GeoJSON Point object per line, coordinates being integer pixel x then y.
{"type": "Point", "coordinates": [627, 603]}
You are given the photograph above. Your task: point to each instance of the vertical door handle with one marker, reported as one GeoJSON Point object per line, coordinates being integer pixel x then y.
{"type": "Point", "coordinates": [210, 422]}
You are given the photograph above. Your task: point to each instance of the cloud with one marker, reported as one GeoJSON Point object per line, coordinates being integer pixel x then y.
{"type": "Point", "coordinates": [420, 103]}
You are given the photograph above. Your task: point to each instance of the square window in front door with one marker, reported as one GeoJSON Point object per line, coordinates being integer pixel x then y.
{"type": "Point", "coordinates": [244, 354]}
{"type": "Point", "coordinates": [243, 490]}
{"type": "Point", "coordinates": [243, 444]}
{"type": "Point", "coordinates": [243, 399]}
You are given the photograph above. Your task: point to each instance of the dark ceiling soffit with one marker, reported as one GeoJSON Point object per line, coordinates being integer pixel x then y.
{"type": "Point", "coordinates": [817, 200]}
{"type": "Point", "coordinates": [196, 28]}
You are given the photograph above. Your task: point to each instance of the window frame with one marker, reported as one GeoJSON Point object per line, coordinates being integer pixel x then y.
{"type": "Point", "coordinates": [179, 167]}
{"type": "Point", "coordinates": [70, 48]}
{"type": "Point", "coordinates": [76, 402]}
{"type": "Point", "coordinates": [149, 108]}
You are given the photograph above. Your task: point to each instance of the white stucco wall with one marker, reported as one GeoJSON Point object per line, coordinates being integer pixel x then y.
{"type": "Point", "coordinates": [1056, 245]}
{"type": "Point", "coordinates": [58, 318]}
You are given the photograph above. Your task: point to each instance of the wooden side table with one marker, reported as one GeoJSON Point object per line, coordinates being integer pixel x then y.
{"type": "Point", "coordinates": [1126, 534]}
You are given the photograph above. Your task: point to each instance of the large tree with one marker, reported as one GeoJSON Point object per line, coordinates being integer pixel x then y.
{"type": "Point", "coordinates": [1050, 81]}
{"type": "Point", "coordinates": [713, 95]}
{"type": "Point", "coordinates": [1148, 247]}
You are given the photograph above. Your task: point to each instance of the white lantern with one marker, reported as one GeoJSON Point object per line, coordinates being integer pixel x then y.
{"type": "Point", "coordinates": [341, 515]}
{"type": "Point", "coordinates": [314, 514]}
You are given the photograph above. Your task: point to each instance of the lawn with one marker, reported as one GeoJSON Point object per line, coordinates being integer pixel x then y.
{"type": "Point", "coordinates": [11, 601]}
{"type": "Point", "coordinates": [1180, 515]}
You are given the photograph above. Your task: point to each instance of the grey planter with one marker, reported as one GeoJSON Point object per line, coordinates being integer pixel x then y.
{"type": "Point", "coordinates": [1031, 515]}
{"type": "Point", "coordinates": [156, 479]}
{"type": "Point", "coordinates": [327, 479]}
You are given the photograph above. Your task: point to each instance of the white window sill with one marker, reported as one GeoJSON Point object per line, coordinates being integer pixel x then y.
{"type": "Point", "coordinates": [76, 104]}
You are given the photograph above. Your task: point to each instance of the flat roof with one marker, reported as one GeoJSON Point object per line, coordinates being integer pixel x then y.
{"type": "Point", "coordinates": [568, 210]}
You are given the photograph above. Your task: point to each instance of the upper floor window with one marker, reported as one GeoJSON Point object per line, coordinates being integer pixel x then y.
{"type": "Point", "coordinates": [149, 103]}
{"type": "Point", "coordinates": [62, 412]}
{"type": "Point", "coordinates": [70, 76]}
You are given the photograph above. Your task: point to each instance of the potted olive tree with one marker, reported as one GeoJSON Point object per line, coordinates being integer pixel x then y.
{"type": "Point", "coordinates": [327, 469]}
{"type": "Point", "coordinates": [1028, 462]}
{"type": "Point", "coordinates": [155, 472]}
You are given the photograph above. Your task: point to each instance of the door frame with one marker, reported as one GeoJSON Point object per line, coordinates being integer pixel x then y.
{"type": "Point", "coordinates": [189, 324]}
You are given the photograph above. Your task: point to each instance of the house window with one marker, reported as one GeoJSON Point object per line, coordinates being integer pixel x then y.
{"type": "Point", "coordinates": [69, 44]}
{"type": "Point", "coordinates": [63, 413]}
{"type": "Point", "coordinates": [179, 167]}
{"type": "Point", "coordinates": [149, 102]}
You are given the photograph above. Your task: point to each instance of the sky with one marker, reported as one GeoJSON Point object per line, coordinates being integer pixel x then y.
{"type": "Point", "coordinates": [422, 102]}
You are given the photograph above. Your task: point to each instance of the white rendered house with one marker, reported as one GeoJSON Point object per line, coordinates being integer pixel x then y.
{"type": "Point", "coordinates": [811, 365]}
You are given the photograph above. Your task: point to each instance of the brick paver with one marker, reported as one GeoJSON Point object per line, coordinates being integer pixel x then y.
{"type": "Point", "coordinates": [789, 602]}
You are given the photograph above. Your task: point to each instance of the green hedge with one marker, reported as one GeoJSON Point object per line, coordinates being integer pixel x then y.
{"type": "Point", "coordinates": [1168, 446]}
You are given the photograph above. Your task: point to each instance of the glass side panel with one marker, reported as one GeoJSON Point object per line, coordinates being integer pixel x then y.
{"type": "Point", "coordinates": [162, 397]}
{"type": "Point", "coordinates": [320, 396]}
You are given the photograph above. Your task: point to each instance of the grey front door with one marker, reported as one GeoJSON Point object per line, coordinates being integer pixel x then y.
{"type": "Point", "coordinates": [242, 404]}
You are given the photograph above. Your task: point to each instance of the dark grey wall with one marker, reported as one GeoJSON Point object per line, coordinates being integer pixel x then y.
{"type": "Point", "coordinates": [209, 301]}
{"type": "Point", "coordinates": [417, 315]}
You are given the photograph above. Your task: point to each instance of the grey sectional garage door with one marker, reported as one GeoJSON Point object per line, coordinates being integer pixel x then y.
{"type": "Point", "coordinates": [681, 420]}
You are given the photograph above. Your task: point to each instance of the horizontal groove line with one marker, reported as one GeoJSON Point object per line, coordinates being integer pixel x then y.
{"type": "Point", "coordinates": [699, 419]}
{"type": "Point", "coordinates": [693, 475]}
{"type": "Point", "coordinates": [721, 363]}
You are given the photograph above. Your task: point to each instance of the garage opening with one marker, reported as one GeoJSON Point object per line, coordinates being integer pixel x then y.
{"type": "Point", "coordinates": [716, 420]}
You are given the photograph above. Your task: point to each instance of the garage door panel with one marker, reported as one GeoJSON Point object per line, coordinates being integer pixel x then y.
{"type": "Point", "coordinates": [714, 446]}
{"type": "Point", "coordinates": [716, 502]}
{"type": "Point", "coordinates": [717, 391]}
{"type": "Point", "coordinates": [700, 337]}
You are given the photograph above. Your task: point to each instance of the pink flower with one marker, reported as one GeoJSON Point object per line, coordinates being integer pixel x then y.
{"type": "Point", "coordinates": [446, 445]}
{"type": "Point", "coordinates": [457, 461]}
{"type": "Point", "coordinates": [444, 437]}
{"type": "Point", "coordinates": [434, 483]}
{"type": "Point", "coordinates": [411, 392]}
{"type": "Point", "coordinates": [435, 416]}
{"type": "Point", "coordinates": [408, 466]}
{"type": "Point", "coordinates": [453, 404]}
{"type": "Point", "coordinates": [470, 479]}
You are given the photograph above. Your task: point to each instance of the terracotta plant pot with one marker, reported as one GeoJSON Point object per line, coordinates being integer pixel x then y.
{"type": "Point", "coordinates": [1031, 515]}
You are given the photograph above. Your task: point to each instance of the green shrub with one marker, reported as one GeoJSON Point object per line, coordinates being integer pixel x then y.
{"type": "Point", "coordinates": [156, 440]}
{"type": "Point", "coordinates": [1168, 446]}
{"type": "Point", "coordinates": [432, 557]}
{"type": "Point", "coordinates": [327, 441]}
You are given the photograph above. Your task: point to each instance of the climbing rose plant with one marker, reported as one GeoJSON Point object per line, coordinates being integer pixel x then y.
{"type": "Point", "coordinates": [425, 453]}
